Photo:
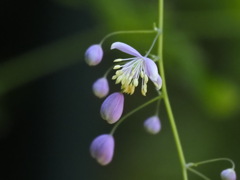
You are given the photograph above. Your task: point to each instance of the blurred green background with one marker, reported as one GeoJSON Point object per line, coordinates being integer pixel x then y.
{"type": "Point", "coordinates": [49, 116]}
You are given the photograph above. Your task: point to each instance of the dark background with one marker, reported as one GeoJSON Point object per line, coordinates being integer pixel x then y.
{"type": "Point", "coordinates": [49, 116]}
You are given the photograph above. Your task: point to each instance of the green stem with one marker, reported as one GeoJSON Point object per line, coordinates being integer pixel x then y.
{"type": "Point", "coordinates": [132, 112]}
{"type": "Point", "coordinates": [127, 32]}
{"type": "Point", "coordinates": [153, 43]}
{"type": "Point", "coordinates": [198, 173]}
{"type": "Point", "coordinates": [211, 161]}
{"type": "Point", "coordinates": [108, 71]}
{"type": "Point", "coordinates": [166, 98]}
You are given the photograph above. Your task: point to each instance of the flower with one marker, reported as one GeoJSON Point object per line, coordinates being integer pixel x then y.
{"type": "Point", "coordinates": [93, 55]}
{"type": "Point", "coordinates": [128, 73]}
{"type": "Point", "coordinates": [228, 174]}
{"type": "Point", "coordinates": [102, 149]}
{"type": "Point", "coordinates": [152, 125]}
{"type": "Point", "coordinates": [112, 107]}
{"type": "Point", "coordinates": [100, 87]}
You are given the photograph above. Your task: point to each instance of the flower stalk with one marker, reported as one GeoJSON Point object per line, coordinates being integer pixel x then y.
{"type": "Point", "coordinates": [165, 95]}
{"type": "Point", "coordinates": [127, 32]}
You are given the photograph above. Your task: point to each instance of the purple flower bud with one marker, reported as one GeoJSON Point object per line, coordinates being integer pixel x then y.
{"type": "Point", "coordinates": [93, 55]}
{"type": "Point", "coordinates": [102, 149]}
{"type": "Point", "coordinates": [228, 174]}
{"type": "Point", "coordinates": [152, 125]}
{"type": "Point", "coordinates": [100, 87]}
{"type": "Point", "coordinates": [112, 107]}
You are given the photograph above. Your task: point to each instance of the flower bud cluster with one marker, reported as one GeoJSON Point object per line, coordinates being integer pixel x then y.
{"type": "Point", "coordinates": [128, 74]}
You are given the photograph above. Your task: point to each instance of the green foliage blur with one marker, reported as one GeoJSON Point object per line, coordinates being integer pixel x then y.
{"type": "Point", "coordinates": [49, 116]}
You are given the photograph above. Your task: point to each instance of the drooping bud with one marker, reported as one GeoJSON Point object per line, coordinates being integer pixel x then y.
{"type": "Point", "coordinates": [100, 87]}
{"type": "Point", "coordinates": [94, 55]}
{"type": "Point", "coordinates": [102, 149]}
{"type": "Point", "coordinates": [112, 107]}
{"type": "Point", "coordinates": [228, 174]}
{"type": "Point", "coordinates": [152, 125]}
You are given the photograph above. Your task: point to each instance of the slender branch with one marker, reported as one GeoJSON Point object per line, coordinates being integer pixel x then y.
{"type": "Point", "coordinates": [198, 173]}
{"type": "Point", "coordinates": [165, 95]}
{"type": "Point", "coordinates": [211, 161]}
{"type": "Point", "coordinates": [153, 43]}
{"type": "Point", "coordinates": [108, 71]}
{"type": "Point", "coordinates": [127, 32]}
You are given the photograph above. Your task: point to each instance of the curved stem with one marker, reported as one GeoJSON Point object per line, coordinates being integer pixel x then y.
{"type": "Point", "coordinates": [132, 112]}
{"type": "Point", "coordinates": [166, 98]}
{"type": "Point", "coordinates": [108, 71]}
{"type": "Point", "coordinates": [212, 160]}
{"type": "Point", "coordinates": [154, 41]}
{"type": "Point", "coordinates": [198, 173]}
{"type": "Point", "coordinates": [126, 32]}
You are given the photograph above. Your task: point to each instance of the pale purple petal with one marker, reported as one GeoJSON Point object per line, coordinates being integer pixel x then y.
{"type": "Point", "coordinates": [100, 87]}
{"type": "Point", "coordinates": [152, 125]}
{"type": "Point", "coordinates": [94, 55]}
{"type": "Point", "coordinates": [151, 69]}
{"type": "Point", "coordinates": [125, 48]}
{"type": "Point", "coordinates": [228, 174]}
{"type": "Point", "coordinates": [158, 83]}
{"type": "Point", "coordinates": [112, 107]}
{"type": "Point", "coordinates": [102, 149]}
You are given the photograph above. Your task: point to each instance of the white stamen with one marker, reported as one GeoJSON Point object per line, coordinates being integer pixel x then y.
{"type": "Point", "coordinates": [117, 60]}
{"type": "Point", "coordinates": [135, 82]}
{"type": "Point", "coordinates": [117, 67]}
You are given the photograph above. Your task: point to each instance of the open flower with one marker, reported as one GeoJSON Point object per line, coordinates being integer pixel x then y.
{"type": "Point", "coordinates": [228, 174]}
{"type": "Point", "coordinates": [152, 125]}
{"type": "Point", "coordinates": [100, 87]}
{"type": "Point", "coordinates": [94, 55]}
{"type": "Point", "coordinates": [138, 66]}
{"type": "Point", "coordinates": [112, 107]}
{"type": "Point", "coordinates": [102, 149]}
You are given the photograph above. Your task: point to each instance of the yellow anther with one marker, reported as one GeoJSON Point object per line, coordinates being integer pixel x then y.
{"type": "Point", "coordinates": [117, 60]}
{"type": "Point", "coordinates": [132, 89]}
{"type": "Point", "coordinates": [142, 74]}
{"type": "Point", "coordinates": [119, 72]}
{"type": "Point", "coordinates": [145, 78]}
{"type": "Point", "coordinates": [143, 92]}
{"type": "Point", "coordinates": [135, 82]}
{"type": "Point", "coordinates": [129, 89]}
{"type": "Point", "coordinates": [145, 87]}
{"type": "Point", "coordinates": [119, 79]}
{"type": "Point", "coordinates": [117, 67]}
{"type": "Point", "coordinates": [129, 79]}
{"type": "Point", "coordinates": [124, 80]}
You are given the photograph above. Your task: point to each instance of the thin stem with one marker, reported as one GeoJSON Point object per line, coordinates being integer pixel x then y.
{"type": "Point", "coordinates": [108, 71]}
{"type": "Point", "coordinates": [158, 104]}
{"type": "Point", "coordinates": [153, 43]}
{"type": "Point", "coordinates": [198, 173]}
{"type": "Point", "coordinates": [166, 98]}
{"type": "Point", "coordinates": [157, 107]}
{"type": "Point", "coordinates": [126, 32]}
{"type": "Point", "coordinates": [133, 111]}
{"type": "Point", "coordinates": [213, 160]}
